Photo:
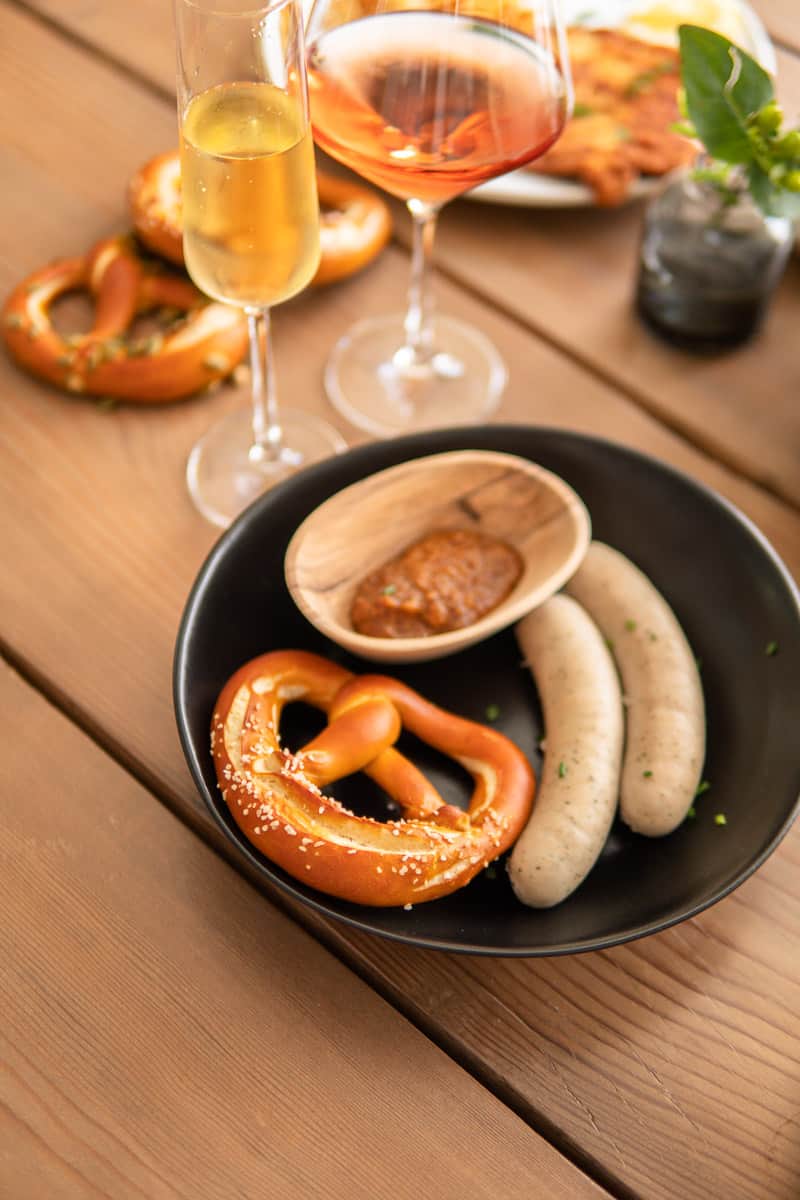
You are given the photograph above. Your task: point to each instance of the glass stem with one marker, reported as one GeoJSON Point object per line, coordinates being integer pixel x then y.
{"type": "Point", "coordinates": [267, 433]}
{"type": "Point", "coordinates": [418, 322]}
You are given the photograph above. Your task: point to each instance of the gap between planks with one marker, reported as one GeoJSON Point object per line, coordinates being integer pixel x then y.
{"type": "Point", "coordinates": [691, 437]}
{"type": "Point", "coordinates": [73, 38]}
{"type": "Point", "coordinates": [320, 929]}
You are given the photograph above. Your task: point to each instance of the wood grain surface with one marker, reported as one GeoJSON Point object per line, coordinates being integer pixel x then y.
{"type": "Point", "coordinates": [569, 276]}
{"type": "Point", "coordinates": [167, 1034]}
{"type": "Point", "coordinates": [140, 35]}
{"type": "Point", "coordinates": [671, 1066]}
{"type": "Point", "coordinates": [114, 524]}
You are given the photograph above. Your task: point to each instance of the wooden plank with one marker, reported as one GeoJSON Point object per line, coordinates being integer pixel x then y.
{"type": "Point", "coordinates": [101, 546]}
{"type": "Point", "coordinates": [114, 518]}
{"type": "Point", "coordinates": [674, 1060]}
{"type": "Point", "coordinates": [167, 1034]}
{"type": "Point", "coordinates": [142, 35]}
{"type": "Point", "coordinates": [569, 276]}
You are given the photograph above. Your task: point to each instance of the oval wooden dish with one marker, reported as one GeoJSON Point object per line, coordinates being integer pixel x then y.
{"type": "Point", "coordinates": [363, 526]}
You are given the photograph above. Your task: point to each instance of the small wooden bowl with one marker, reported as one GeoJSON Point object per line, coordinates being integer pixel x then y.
{"type": "Point", "coordinates": [370, 522]}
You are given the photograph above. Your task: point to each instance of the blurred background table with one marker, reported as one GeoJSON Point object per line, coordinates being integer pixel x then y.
{"type": "Point", "coordinates": [168, 1031]}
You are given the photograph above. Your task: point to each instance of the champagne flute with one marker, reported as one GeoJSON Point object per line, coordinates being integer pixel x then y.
{"type": "Point", "coordinates": [428, 98]}
{"type": "Point", "coordinates": [250, 223]}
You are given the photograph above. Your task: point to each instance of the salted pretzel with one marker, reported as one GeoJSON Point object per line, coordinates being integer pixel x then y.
{"type": "Point", "coordinates": [355, 222]}
{"type": "Point", "coordinates": [190, 354]}
{"type": "Point", "coordinates": [276, 796]}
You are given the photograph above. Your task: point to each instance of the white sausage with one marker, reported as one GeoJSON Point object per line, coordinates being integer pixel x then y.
{"type": "Point", "coordinates": [665, 712]}
{"type": "Point", "coordinates": [577, 797]}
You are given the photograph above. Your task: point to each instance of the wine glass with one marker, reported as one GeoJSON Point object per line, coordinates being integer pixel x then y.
{"type": "Point", "coordinates": [250, 223]}
{"type": "Point", "coordinates": [428, 98]}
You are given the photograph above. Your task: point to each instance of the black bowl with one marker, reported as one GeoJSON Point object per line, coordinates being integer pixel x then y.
{"type": "Point", "coordinates": [732, 595]}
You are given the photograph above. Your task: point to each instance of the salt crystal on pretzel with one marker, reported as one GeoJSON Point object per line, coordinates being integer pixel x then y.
{"type": "Point", "coordinates": [106, 361]}
{"type": "Point", "coordinates": [431, 851]}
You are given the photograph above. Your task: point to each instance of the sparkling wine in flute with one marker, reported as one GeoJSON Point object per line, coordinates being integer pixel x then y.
{"type": "Point", "coordinates": [250, 208]}
{"type": "Point", "coordinates": [250, 225]}
{"type": "Point", "coordinates": [428, 104]}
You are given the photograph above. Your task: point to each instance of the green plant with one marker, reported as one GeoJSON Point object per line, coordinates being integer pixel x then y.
{"type": "Point", "coordinates": [730, 107]}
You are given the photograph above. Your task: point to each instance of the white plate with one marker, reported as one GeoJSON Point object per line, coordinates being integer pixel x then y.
{"type": "Point", "coordinates": [526, 189]}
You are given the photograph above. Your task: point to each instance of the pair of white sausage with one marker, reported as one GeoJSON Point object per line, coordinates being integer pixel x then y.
{"type": "Point", "coordinates": [650, 759]}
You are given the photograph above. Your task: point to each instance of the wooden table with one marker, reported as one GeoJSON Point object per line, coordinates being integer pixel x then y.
{"type": "Point", "coordinates": [169, 1030]}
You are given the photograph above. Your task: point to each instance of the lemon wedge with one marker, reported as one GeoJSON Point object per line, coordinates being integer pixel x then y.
{"type": "Point", "coordinates": [658, 21]}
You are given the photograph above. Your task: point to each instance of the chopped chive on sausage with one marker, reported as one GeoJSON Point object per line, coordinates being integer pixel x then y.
{"type": "Point", "coordinates": [630, 625]}
{"type": "Point", "coordinates": [653, 636]}
{"type": "Point", "coordinates": [702, 787]}
{"type": "Point", "coordinates": [492, 712]}
{"type": "Point", "coordinates": [720, 819]}
{"type": "Point", "coordinates": [771, 649]}
{"type": "Point", "coordinates": [647, 774]}
{"type": "Point", "coordinates": [609, 643]}
{"type": "Point", "coordinates": [389, 590]}
{"type": "Point", "coordinates": [562, 770]}
{"type": "Point", "coordinates": [692, 813]}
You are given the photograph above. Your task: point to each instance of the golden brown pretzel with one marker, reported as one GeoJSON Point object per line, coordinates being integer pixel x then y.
{"type": "Point", "coordinates": [276, 800]}
{"type": "Point", "coordinates": [355, 222]}
{"type": "Point", "coordinates": [191, 354]}
{"type": "Point", "coordinates": [355, 225]}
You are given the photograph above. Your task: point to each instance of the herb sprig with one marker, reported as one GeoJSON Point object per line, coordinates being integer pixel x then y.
{"type": "Point", "coordinates": [729, 105]}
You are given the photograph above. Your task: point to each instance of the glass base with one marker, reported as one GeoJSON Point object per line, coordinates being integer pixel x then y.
{"type": "Point", "coordinates": [381, 387]}
{"type": "Point", "coordinates": [226, 472]}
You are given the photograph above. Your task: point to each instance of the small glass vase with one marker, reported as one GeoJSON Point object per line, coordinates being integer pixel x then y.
{"type": "Point", "coordinates": [709, 264]}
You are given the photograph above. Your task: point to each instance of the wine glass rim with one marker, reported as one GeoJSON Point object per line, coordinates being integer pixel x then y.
{"type": "Point", "coordinates": [209, 7]}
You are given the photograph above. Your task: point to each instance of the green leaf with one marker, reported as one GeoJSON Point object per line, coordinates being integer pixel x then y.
{"type": "Point", "coordinates": [724, 86]}
{"type": "Point", "coordinates": [770, 199]}
{"type": "Point", "coordinates": [761, 189]}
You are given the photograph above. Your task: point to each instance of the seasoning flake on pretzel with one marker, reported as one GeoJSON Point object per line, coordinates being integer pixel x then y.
{"type": "Point", "coordinates": [204, 343]}
{"type": "Point", "coordinates": [355, 223]}
{"type": "Point", "coordinates": [276, 796]}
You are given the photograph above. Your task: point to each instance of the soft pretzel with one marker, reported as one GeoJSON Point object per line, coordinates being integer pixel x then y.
{"type": "Point", "coordinates": [154, 196]}
{"type": "Point", "coordinates": [190, 354]}
{"type": "Point", "coordinates": [275, 796]}
{"type": "Point", "coordinates": [355, 225]}
{"type": "Point", "coordinates": [355, 222]}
